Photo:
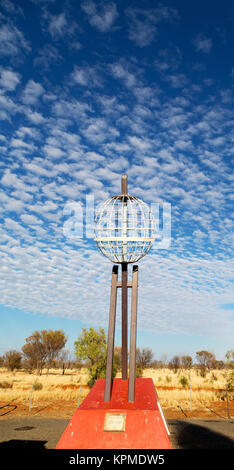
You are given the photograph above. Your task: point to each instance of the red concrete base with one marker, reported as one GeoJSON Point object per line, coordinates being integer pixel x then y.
{"type": "Point", "coordinates": [144, 424]}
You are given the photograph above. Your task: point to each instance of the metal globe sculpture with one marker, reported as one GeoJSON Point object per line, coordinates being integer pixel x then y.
{"type": "Point", "coordinates": [124, 227]}
{"type": "Point", "coordinates": [124, 232]}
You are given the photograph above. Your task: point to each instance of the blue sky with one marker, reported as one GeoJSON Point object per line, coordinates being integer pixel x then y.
{"type": "Point", "coordinates": [90, 90]}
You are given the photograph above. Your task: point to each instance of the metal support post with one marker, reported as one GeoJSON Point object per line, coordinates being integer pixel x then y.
{"type": "Point", "coordinates": [111, 334]}
{"type": "Point", "coordinates": [132, 360]}
{"type": "Point", "coordinates": [124, 321]}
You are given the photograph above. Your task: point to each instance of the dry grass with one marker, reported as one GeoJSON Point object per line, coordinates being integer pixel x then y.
{"type": "Point", "coordinates": [215, 379]}
{"type": "Point", "coordinates": [172, 394]}
{"type": "Point", "coordinates": [54, 386]}
{"type": "Point", "coordinates": [16, 387]}
{"type": "Point", "coordinates": [181, 399]}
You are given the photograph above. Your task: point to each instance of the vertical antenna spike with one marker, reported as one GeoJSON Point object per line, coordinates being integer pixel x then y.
{"type": "Point", "coordinates": [124, 184]}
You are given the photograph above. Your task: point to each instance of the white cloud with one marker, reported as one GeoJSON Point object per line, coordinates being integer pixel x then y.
{"type": "Point", "coordinates": [178, 80]}
{"type": "Point", "coordinates": [47, 56]}
{"type": "Point", "coordinates": [30, 132]}
{"type": "Point", "coordinates": [183, 144]}
{"type": "Point", "coordinates": [53, 152]}
{"type": "Point", "coordinates": [140, 144]}
{"type": "Point", "coordinates": [14, 226]}
{"type": "Point", "coordinates": [183, 296]}
{"type": "Point", "coordinates": [168, 59]}
{"type": "Point", "coordinates": [9, 79]}
{"type": "Point", "coordinates": [10, 204]}
{"type": "Point", "coordinates": [32, 92]}
{"type": "Point", "coordinates": [86, 76]}
{"type": "Point", "coordinates": [35, 117]}
{"type": "Point", "coordinates": [142, 32]}
{"type": "Point", "coordinates": [19, 143]}
{"type": "Point", "coordinates": [57, 25]}
{"type": "Point", "coordinates": [7, 107]}
{"type": "Point", "coordinates": [30, 219]}
{"type": "Point", "coordinates": [143, 23]}
{"type": "Point", "coordinates": [66, 108]}
{"type": "Point", "coordinates": [98, 131]}
{"type": "Point", "coordinates": [11, 179]}
{"type": "Point", "coordinates": [12, 41]}
{"type": "Point", "coordinates": [202, 43]}
{"type": "Point", "coordinates": [102, 15]}
{"type": "Point", "coordinates": [39, 170]}
{"type": "Point", "coordinates": [121, 72]}
{"type": "Point", "coordinates": [11, 8]}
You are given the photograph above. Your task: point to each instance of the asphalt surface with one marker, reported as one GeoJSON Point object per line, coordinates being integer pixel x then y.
{"type": "Point", "coordinates": [44, 433]}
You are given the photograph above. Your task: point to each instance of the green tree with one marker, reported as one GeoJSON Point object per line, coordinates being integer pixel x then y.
{"type": "Point", "coordinates": [91, 345]}
{"type": "Point", "coordinates": [12, 360]}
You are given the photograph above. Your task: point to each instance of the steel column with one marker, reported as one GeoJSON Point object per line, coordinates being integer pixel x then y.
{"type": "Point", "coordinates": [111, 334]}
{"type": "Point", "coordinates": [132, 360]}
{"type": "Point", "coordinates": [124, 321]}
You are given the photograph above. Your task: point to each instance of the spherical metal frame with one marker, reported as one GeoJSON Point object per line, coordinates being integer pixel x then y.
{"type": "Point", "coordinates": [124, 228]}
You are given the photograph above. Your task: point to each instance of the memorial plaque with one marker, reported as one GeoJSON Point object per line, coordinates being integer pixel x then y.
{"type": "Point", "coordinates": [114, 422]}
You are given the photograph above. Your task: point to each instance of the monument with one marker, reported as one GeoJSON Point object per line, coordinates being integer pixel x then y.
{"type": "Point", "coordinates": [121, 413]}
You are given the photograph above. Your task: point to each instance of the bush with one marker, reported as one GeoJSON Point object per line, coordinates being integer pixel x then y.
{"type": "Point", "coordinates": [139, 372]}
{"type": "Point", "coordinates": [184, 381]}
{"type": "Point", "coordinates": [230, 382]}
{"type": "Point", "coordinates": [12, 360]}
{"type": "Point", "coordinates": [98, 371]}
{"type": "Point", "coordinates": [91, 346]}
{"type": "Point", "coordinates": [6, 385]}
{"type": "Point", "coordinates": [37, 386]}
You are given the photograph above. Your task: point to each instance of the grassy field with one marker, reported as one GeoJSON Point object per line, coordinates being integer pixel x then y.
{"type": "Point", "coordinates": [172, 391]}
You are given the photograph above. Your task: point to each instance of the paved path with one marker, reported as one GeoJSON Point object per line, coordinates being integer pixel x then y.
{"type": "Point", "coordinates": [44, 433]}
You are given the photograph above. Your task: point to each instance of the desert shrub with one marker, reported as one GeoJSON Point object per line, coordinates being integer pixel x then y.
{"type": "Point", "coordinates": [230, 382]}
{"type": "Point", "coordinates": [168, 379]}
{"type": "Point", "coordinates": [184, 381]}
{"type": "Point", "coordinates": [37, 386]}
{"type": "Point", "coordinates": [139, 372]}
{"type": "Point", "coordinates": [12, 360]}
{"type": "Point", "coordinates": [6, 385]}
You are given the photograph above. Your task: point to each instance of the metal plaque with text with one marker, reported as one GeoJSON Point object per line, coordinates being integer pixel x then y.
{"type": "Point", "coordinates": [115, 422]}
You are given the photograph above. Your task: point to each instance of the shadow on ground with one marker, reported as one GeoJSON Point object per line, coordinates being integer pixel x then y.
{"type": "Point", "coordinates": [21, 444]}
{"type": "Point", "coordinates": [210, 434]}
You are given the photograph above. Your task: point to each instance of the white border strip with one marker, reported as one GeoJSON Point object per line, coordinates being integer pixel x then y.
{"type": "Point", "coordinates": [165, 423]}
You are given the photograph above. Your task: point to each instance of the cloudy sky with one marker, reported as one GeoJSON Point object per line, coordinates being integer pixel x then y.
{"type": "Point", "coordinates": [90, 90]}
